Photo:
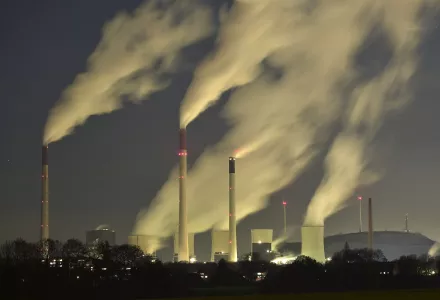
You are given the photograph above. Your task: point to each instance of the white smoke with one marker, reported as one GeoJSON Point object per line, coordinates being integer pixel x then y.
{"type": "Point", "coordinates": [135, 51]}
{"type": "Point", "coordinates": [348, 158]}
{"type": "Point", "coordinates": [245, 40]}
{"type": "Point", "coordinates": [284, 114]}
{"type": "Point", "coordinates": [434, 250]}
{"type": "Point", "coordinates": [284, 237]}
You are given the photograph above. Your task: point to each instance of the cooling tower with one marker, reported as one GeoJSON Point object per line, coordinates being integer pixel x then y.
{"type": "Point", "coordinates": [261, 243]}
{"type": "Point", "coordinates": [220, 245]}
{"type": "Point", "coordinates": [147, 243]}
{"type": "Point", "coordinates": [312, 244]}
{"type": "Point", "coordinates": [232, 250]}
{"type": "Point", "coordinates": [192, 256]}
{"type": "Point", "coordinates": [183, 226]}
{"type": "Point", "coordinates": [370, 224]}
{"type": "Point", "coordinates": [45, 195]}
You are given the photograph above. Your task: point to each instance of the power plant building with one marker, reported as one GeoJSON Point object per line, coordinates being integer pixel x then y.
{"type": "Point", "coordinates": [220, 245]}
{"type": "Point", "coordinates": [101, 235]}
{"type": "Point", "coordinates": [192, 256]}
{"type": "Point", "coordinates": [261, 242]}
{"type": "Point", "coordinates": [313, 242]}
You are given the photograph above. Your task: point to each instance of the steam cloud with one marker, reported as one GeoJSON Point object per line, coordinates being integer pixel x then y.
{"type": "Point", "coordinates": [292, 78]}
{"type": "Point", "coordinates": [348, 158]}
{"type": "Point", "coordinates": [282, 115]}
{"type": "Point", "coordinates": [135, 52]}
{"type": "Point", "coordinates": [244, 42]}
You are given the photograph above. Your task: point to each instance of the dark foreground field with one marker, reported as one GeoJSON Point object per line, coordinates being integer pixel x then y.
{"type": "Point", "coordinates": [385, 295]}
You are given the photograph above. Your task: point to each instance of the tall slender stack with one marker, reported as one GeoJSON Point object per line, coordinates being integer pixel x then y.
{"type": "Point", "coordinates": [183, 222]}
{"type": "Point", "coordinates": [370, 224]}
{"type": "Point", "coordinates": [232, 217]}
{"type": "Point", "coordinates": [45, 194]}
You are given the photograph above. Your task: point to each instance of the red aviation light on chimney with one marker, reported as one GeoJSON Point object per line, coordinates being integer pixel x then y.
{"type": "Point", "coordinates": [284, 203]}
{"type": "Point", "coordinates": [359, 198]}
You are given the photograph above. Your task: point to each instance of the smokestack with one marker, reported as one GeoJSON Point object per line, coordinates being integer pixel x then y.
{"type": "Point", "coordinates": [183, 224]}
{"type": "Point", "coordinates": [45, 194]}
{"type": "Point", "coordinates": [370, 224]}
{"type": "Point", "coordinates": [232, 218]}
{"type": "Point", "coordinates": [312, 242]}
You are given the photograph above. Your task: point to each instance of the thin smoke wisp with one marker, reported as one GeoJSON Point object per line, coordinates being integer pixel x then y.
{"type": "Point", "coordinates": [135, 52]}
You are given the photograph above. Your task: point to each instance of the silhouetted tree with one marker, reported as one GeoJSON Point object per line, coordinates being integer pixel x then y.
{"type": "Point", "coordinates": [74, 249]}
{"type": "Point", "coordinates": [24, 251]}
{"type": "Point", "coordinates": [225, 276]}
{"type": "Point", "coordinates": [50, 249]}
{"type": "Point", "coordinates": [126, 255]}
{"type": "Point", "coordinates": [348, 255]}
{"type": "Point", "coordinates": [407, 266]}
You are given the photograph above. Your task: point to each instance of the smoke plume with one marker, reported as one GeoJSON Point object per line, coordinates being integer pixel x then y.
{"type": "Point", "coordinates": [284, 237]}
{"type": "Point", "coordinates": [434, 250]}
{"type": "Point", "coordinates": [349, 156]}
{"type": "Point", "coordinates": [244, 41]}
{"type": "Point", "coordinates": [283, 115]}
{"type": "Point", "coordinates": [135, 52]}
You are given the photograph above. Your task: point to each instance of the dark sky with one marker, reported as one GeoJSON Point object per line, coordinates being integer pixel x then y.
{"type": "Point", "coordinates": [115, 164]}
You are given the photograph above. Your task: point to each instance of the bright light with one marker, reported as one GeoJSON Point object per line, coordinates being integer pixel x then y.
{"type": "Point", "coordinates": [192, 260]}
{"type": "Point", "coordinates": [77, 277]}
{"type": "Point", "coordinates": [284, 203]}
{"type": "Point", "coordinates": [328, 259]}
{"type": "Point", "coordinates": [104, 269]}
{"type": "Point", "coordinates": [283, 260]}
{"type": "Point", "coordinates": [259, 242]}
{"type": "Point", "coordinates": [359, 198]}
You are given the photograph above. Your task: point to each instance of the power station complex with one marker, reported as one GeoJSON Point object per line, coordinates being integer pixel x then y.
{"type": "Point", "coordinates": [223, 242]}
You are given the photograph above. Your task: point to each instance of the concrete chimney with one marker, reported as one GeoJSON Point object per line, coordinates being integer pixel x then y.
{"type": "Point", "coordinates": [370, 224]}
{"type": "Point", "coordinates": [183, 222]}
{"type": "Point", "coordinates": [45, 195]}
{"type": "Point", "coordinates": [232, 218]}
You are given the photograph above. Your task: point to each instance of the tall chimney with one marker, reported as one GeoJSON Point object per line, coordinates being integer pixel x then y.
{"type": "Point", "coordinates": [45, 194]}
{"type": "Point", "coordinates": [183, 222]}
{"type": "Point", "coordinates": [370, 224]}
{"type": "Point", "coordinates": [232, 218]}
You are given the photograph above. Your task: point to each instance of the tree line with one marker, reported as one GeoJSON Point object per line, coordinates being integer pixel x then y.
{"type": "Point", "coordinates": [52, 269]}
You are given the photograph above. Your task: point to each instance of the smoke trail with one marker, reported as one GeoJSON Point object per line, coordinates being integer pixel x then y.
{"type": "Point", "coordinates": [244, 42]}
{"type": "Point", "coordinates": [348, 158]}
{"type": "Point", "coordinates": [135, 52]}
{"type": "Point", "coordinates": [291, 231]}
{"type": "Point", "coordinates": [434, 250]}
{"type": "Point", "coordinates": [284, 114]}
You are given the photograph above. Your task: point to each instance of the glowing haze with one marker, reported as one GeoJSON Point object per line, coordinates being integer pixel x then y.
{"type": "Point", "coordinates": [349, 157]}
{"type": "Point", "coordinates": [135, 51]}
{"type": "Point", "coordinates": [281, 117]}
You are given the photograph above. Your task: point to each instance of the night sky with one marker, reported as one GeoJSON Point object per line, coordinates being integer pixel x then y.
{"type": "Point", "coordinates": [114, 165]}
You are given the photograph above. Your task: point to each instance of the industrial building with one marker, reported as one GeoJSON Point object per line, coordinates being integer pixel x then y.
{"type": "Point", "coordinates": [192, 256]}
{"type": "Point", "coordinates": [101, 235]}
{"type": "Point", "coordinates": [393, 244]}
{"type": "Point", "coordinates": [220, 245]}
{"type": "Point", "coordinates": [261, 242]}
